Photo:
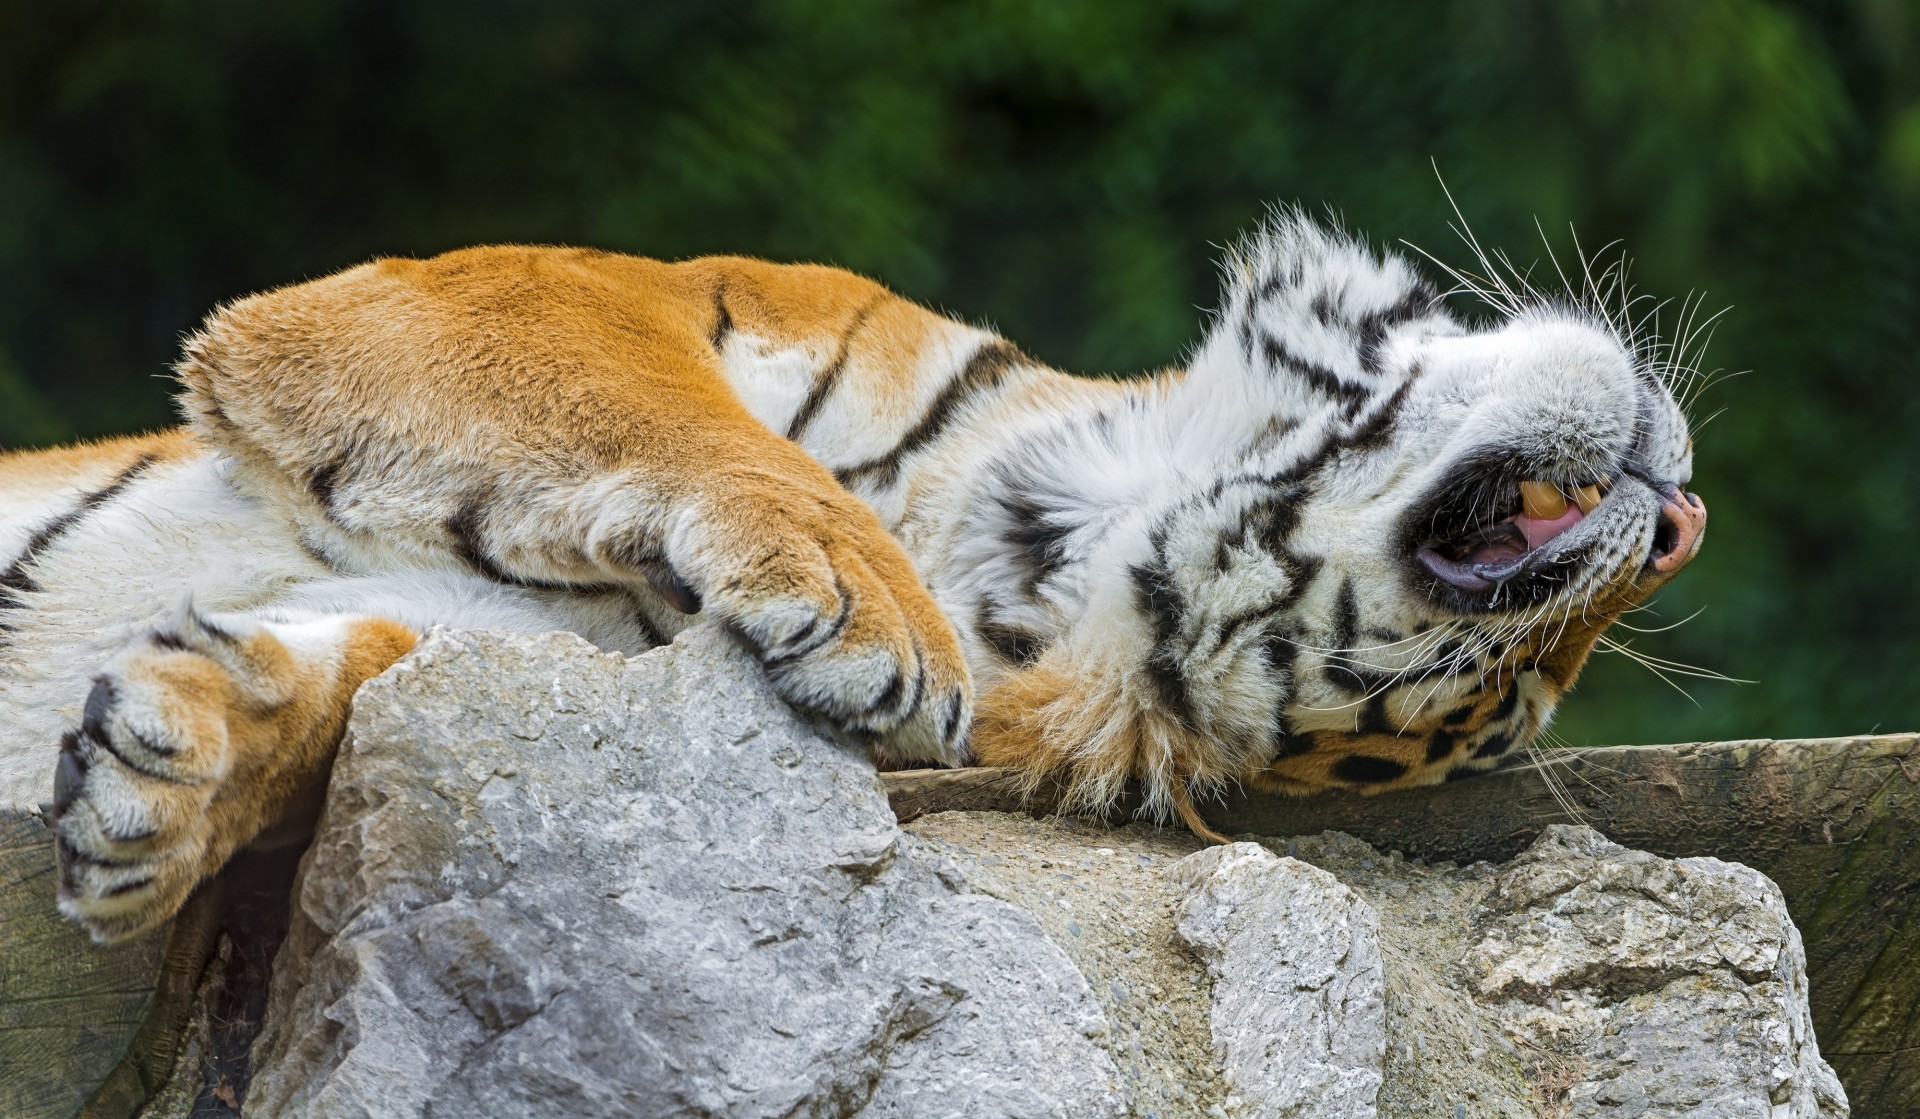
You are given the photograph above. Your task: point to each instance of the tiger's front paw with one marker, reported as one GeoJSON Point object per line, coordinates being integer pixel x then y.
{"type": "Point", "coordinates": [831, 605]}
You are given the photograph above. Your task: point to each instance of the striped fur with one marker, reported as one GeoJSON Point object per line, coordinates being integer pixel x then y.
{"type": "Point", "coordinates": [1202, 577]}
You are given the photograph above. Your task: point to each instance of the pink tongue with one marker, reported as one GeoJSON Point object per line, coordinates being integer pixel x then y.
{"type": "Point", "coordinates": [1539, 530]}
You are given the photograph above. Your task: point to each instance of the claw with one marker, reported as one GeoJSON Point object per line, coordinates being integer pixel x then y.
{"type": "Point", "coordinates": [69, 775]}
{"type": "Point", "coordinates": [671, 587]}
{"type": "Point", "coordinates": [100, 698]}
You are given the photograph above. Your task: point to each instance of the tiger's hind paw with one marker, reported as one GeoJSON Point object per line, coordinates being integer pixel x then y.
{"type": "Point", "coordinates": [195, 737]}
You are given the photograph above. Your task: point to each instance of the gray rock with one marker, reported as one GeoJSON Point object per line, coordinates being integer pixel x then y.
{"type": "Point", "coordinates": [554, 881]}
{"type": "Point", "coordinates": [1156, 934]}
{"type": "Point", "coordinates": [1675, 988]}
{"type": "Point", "coordinates": [1299, 996]}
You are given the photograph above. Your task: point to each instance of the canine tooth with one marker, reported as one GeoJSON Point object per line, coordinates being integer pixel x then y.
{"type": "Point", "coordinates": [1587, 497]}
{"type": "Point", "coordinates": [1542, 501]}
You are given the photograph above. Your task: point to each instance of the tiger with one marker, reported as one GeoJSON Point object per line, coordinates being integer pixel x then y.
{"type": "Point", "coordinates": [1356, 541]}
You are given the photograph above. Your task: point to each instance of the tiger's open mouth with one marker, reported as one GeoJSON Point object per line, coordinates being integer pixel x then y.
{"type": "Point", "coordinates": [1482, 557]}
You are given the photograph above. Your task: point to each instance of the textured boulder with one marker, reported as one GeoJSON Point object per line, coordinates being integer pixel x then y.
{"type": "Point", "coordinates": [1299, 997]}
{"type": "Point", "coordinates": [555, 881]}
{"type": "Point", "coordinates": [1676, 987]}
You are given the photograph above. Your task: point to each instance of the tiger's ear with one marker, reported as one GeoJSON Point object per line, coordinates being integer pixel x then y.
{"type": "Point", "coordinates": [1310, 314]}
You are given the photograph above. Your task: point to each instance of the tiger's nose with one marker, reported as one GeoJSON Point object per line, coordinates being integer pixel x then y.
{"type": "Point", "coordinates": [1683, 522]}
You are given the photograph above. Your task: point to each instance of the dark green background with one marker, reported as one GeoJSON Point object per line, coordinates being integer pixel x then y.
{"type": "Point", "coordinates": [1061, 170]}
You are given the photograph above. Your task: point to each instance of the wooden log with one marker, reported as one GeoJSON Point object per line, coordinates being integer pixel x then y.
{"type": "Point", "coordinates": [1836, 822]}
{"type": "Point", "coordinates": [68, 1011]}
{"type": "Point", "coordinates": [93, 1032]}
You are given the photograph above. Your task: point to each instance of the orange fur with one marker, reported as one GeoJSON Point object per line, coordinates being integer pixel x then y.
{"type": "Point", "coordinates": [509, 367]}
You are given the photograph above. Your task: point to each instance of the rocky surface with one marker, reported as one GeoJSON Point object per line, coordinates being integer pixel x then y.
{"type": "Point", "coordinates": [550, 880]}
{"type": "Point", "coordinates": [1669, 987]}
{"type": "Point", "coordinates": [1201, 960]}
{"type": "Point", "coordinates": [1299, 993]}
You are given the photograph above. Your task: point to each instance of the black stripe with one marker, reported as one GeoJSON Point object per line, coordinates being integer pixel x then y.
{"type": "Point", "coordinates": [218, 416]}
{"type": "Point", "coordinates": [1441, 745]}
{"type": "Point", "coordinates": [1507, 704]}
{"type": "Point", "coordinates": [1319, 376]}
{"type": "Point", "coordinates": [140, 836]}
{"type": "Point", "coordinates": [466, 527]}
{"type": "Point", "coordinates": [105, 742]}
{"type": "Point", "coordinates": [1160, 602]}
{"type": "Point", "coordinates": [1282, 648]}
{"type": "Point", "coordinates": [984, 371]}
{"type": "Point", "coordinates": [1373, 328]}
{"type": "Point", "coordinates": [1449, 659]}
{"type": "Point", "coordinates": [889, 695]}
{"type": "Point", "coordinates": [1373, 433]}
{"type": "Point", "coordinates": [1366, 769]}
{"type": "Point", "coordinates": [1275, 429]}
{"type": "Point", "coordinates": [1373, 718]}
{"type": "Point", "coordinates": [950, 728]}
{"type": "Point", "coordinates": [1299, 576]}
{"type": "Point", "coordinates": [1011, 644]}
{"type": "Point", "coordinates": [1037, 542]}
{"type": "Point", "coordinates": [1346, 617]}
{"type": "Point", "coordinates": [69, 853]}
{"type": "Point", "coordinates": [829, 378]}
{"type": "Point", "coordinates": [316, 553]}
{"type": "Point", "coordinates": [1342, 673]}
{"type": "Point", "coordinates": [815, 636]}
{"type": "Point", "coordinates": [723, 318]}
{"type": "Point", "coordinates": [230, 640]}
{"type": "Point", "coordinates": [127, 887]}
{"type": "Point", "coordinates": [172, 641]}
{"type": "Point", "coordinates": [15, 580]}
{"type": "Point", "coordinates": [324, 479]}
{"type": "Point", "coordinates": [1493, 747]}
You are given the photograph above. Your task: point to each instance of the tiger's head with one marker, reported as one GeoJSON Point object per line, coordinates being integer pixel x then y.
{"type": "Point", "coordinates": [1355, 543]}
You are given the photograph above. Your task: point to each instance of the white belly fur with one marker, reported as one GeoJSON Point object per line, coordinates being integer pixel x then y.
{"type": "Point", "coordinates": [182, 530]}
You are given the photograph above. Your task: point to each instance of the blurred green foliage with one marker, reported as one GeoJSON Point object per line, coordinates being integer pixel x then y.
{"type": "Point", "coordinates": [1061, 169]}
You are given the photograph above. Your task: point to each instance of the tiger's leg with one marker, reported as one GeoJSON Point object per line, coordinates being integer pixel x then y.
{"type": "Point", "coordinates": [197, 737]}
{"type": "Point", "coordinates": [561, 418]}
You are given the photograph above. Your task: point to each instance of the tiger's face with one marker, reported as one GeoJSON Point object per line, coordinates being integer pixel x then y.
{"type": "Point", "coordinates": [1532, 488]}
{"type": "Point", "coordinates": [1372, 546]}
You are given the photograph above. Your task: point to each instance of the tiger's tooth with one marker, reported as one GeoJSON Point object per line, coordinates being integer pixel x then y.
{"type": "Point", "coordinates": [1542, 501]}
{"type": "Point", "coordinates": [1587, 497]}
